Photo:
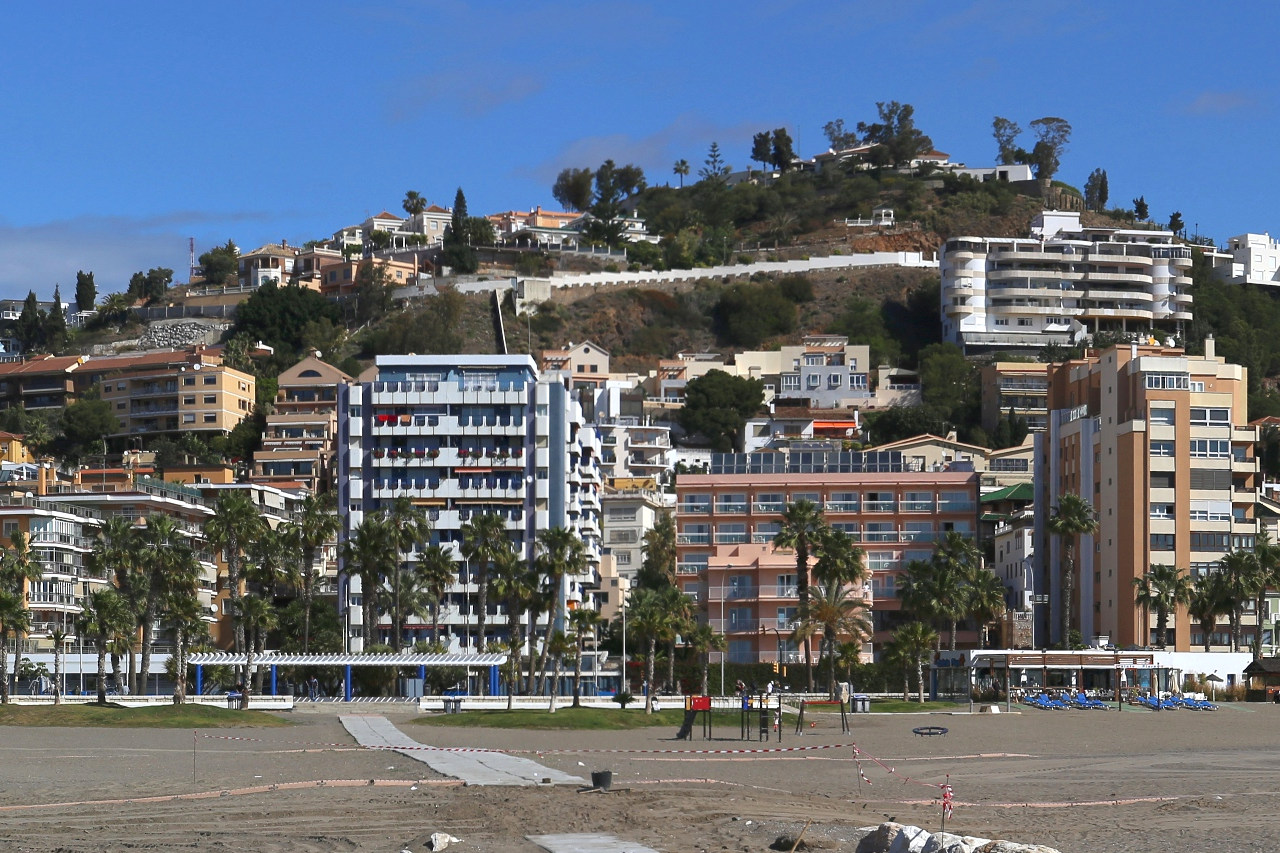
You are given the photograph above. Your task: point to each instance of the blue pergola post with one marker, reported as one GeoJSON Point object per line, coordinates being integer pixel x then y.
{"type": "Point", "coordinates": [199, 680]}
{"type": "Point", "coordinates": [273, 679]}
{"type": "Point", "coordinates": [494, 681]}
{"type": "Point", "coordinates": [422, 681]}
{"type": "Point", "coordinates": [346, 687]}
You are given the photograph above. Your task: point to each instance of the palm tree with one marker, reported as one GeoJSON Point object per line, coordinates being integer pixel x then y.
{"type": "Point", "coordinates": [103, 617]}
{"type": "Point", "coordinates": [582, 622]}
{"type": "Point", "coordinates": [1072, 517]}
{"type": "Point", "coordinates": [59, 638]}
{"type": "Point", "coordinates": [258, 618]}
{"type": "Point", "coordinates": [368, 553]}
{"type": "Point", "coordinates": [685, 615]}
{"type": "Point", "coordinates": [836, 614]}
{"type": "Point", "coordinates": [933, 592]}
{"type": "Point", "coordinates": [658, 568]}
{"type": "Point", "coordinates": [651, 619]}
{"type": "Point", "coordinates": [408, 526]}
{"type": "Point", "coordinates": [517, 588]}
{"type": "Point", "coordinates": [1161, 589]}
{"type": "Point", "coordinates": [1237, 586]}
{"type": "Point", "coordinates": [316, 526]}
{"type": "Point", "coordinates": [482, 539]}
{"type": "Point", "coordinates": [183, 609]}
{"type": "Point", "coordinates": [703, 640]}
{"type": "Point", "coordinates": [236, 522]}
{"type": "Point", "coordinates": [414, 203]}
{"type": "Point", "coordinates": [986, 599]}
{"type": "Point", "coordinates": [561, 554]}
{"type": "Point", "coordinates": [14, 617]}
{"type": "Point", "coordinates": [437, 571]}
{"type": "Point", "coordinates": [161, 563]}
{"type": "Point", "coordinates": [912, 643]}
{"type": "Point", "coordinates": [1208, 602]}
{"type": "Point", "coordinates": [682, 170]}
{"type": "Point", "coordinates": [802, 528]}
{"type": "Point", "coordinates": [839, 560]}
{"type": "Point", "coordinates": [1266, 575]}
{"type": "Point", "coordinates": [17, 569]}
{"type": "Point", "coordinates": [560, 647]}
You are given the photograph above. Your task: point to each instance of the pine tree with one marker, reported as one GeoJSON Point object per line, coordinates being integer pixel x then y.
{"type": "Point", "coordinates": [458, 253]}
{"type": "Point", "coordinates": [55, 323]}
{"type": "Point", "coordinates": [86, 291]}
{"type": "Point", "coordinates": [29, 328]}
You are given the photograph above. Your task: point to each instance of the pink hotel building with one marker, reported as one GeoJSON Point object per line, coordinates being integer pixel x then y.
{"type": "Point", "coordinates": [726, 520]}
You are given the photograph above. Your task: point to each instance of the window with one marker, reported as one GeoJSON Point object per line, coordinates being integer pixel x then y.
{"type": "Point", "coordinates": [790, 382]}
{"type": "Point", "coordinates": [1162, 479]}
{"type": "Point", "coordinates": [211, 380]}
{"type": "Point", "coordinates": [1162, 541]}
{"type": "Point", "coordinates": [210, 399]}
{"type": "Point", "coordinates": [623, 558]}
{"type": "Point", "coordinates": [1162, 416]}
{"type": "Point", "coordinates": [10, 528]}
{"type": "Point", "coordinates": [1209, 478]}
{"type": "Point", "coordinates": [211, 418]}
{"type": "Point", "coordinates": [189, 418]}
{"type": "Point", "coordinates": [1168, 381]}
{"type": "Point", "coordinates": [1211, 510]}
{"type": "Point", "coordinates": [1210, 448]}
{"type": "Point", "coordinates": [1201, 416]}
{"type": "Point", "coordinates": [1162, 448]}
{"type": "Point", "coordinates": [1024, 321]}
{"type": "Point", "coordinates": [189, 401]}
{"type": "Point", "coordinates": [834, 380]}
{"type": "Point", "coordinates": [188, 380]}
{"type": "Point", "coordinates": [813, 380]}
{"type": "Point", "coordinates": [1162, 510]}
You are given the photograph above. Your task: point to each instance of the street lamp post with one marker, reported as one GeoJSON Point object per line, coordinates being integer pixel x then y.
{"type": "Point", "coordinates": [624, 682]}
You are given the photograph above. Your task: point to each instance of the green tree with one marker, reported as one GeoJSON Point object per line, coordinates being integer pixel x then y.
{"type": "Point", "coordinates": [86, 291]}
{"type": "Point", "coordinates": [986, 600]}
{"type": "Point", "coordinates": [482, 539]}
{"type": "Point", "coordinates": [703, 640]}
{"type": "Point", "coordinates": [573, 188]}
{"type": "Point", "coordinates": [781, 153]}
{"type": "Point", "coordinates": [1162, 588]}
{"type": "Point", "coordinates": [236, 523]}
{"type": "Point", "coordinates": [55, 323]}
{"type": "Point", "coordinates": [221, 264]}
{"type": "Point", "coordinates": [1071, 518]}
{"type": "Point", "coordinates": [714, 169]}
{"type": "Point", "coordinates": [947, 379]}
{"type": "Point", "coordinates": [18, 569]}
{"type": "Point", "coordinates": [374, 292]}
{"type": "Point", "coordinates": [257, 618]}
{"type": "Point", "coordinates": [437, 572]}
{"type": "Point", "coordinates": [1176, 225]}
{"type": "Point", "coordinates": [29, 327]}
{"type": "Point", "coordinates": [681, 170]}
{"type": "Point", "coordinates": [1006, 134]}
{"type": "Point", "coordinates": [1208, 601]}
{"type": "Point", "coordinates": [1266, 575]}
{"type": "Point", "coordinates": [838, 138]}
{"type": "Point", "coordinates": [761, 148]}
{"type": "Point", "coordinates": [14, 619]}
{"type": "Point", "coordinates": [369, 554]}
{"type": "Point", "coordinates": [1052, 135]}
{"type": "Point", "coordinates": [1140, 209]}
{"type": "Point", "coordinates": [658, 567]}
{"type": "Point", "coordinates": [1237, 572]}
{"type": "Point", "coordinates": [85, 424]}
{"type": "Point", "coordinates": [934, 592]}
{"type": "Point", "coordinates": [458, 253]}
{"type": "Point", "coordinates": [801, 529]}
{"type": "Point", "coordinates": [836, 614]}
{"type": "Point", "coordinates": [315, 525]}
{"type": "Point", "coordinates": [717, 406]}
{"type": "Point", "coordinates": [746, 314]}
{"type": "Point", "coordinates": [911, 646]}
{"type": "Point", "coordinates": [895, 138]}
{"type": "Point", "coordinates": [413, 203]}
{"type": "Point", "coordinates": [278, 315]}
{"type": "Point", "coordinates": [583, 624]}
{"type": "Point", "coordinates": [152, 284]}
{"type": "Point", "coordinates": [561, 553]}
{"type": "Point", "coordinates": [651, 618]}
{"type": "Point", "coordinates": [1095, 190]}
{"type": "Point", "coordinates": [104, 616]}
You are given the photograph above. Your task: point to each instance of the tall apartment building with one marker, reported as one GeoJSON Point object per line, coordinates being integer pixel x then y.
{"type": "Point", "coordinates": [1158, 442]}
{"type": "Point", "coordinates": [727, 519]}
{"type": "Point", "coordinates": [1020, 387]}
{"type": "Point", "coordinates": [462, 436]}
{"type": "Point", "coordinates": [1066, 281]}
{"type": "Point", "coordinates": [1249, 259]}
{"type": "Point", "coordinates": [300, 437]}
{"type": "Point", "coordinates": [631, 508]}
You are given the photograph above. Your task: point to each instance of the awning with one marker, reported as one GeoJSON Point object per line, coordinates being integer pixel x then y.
{"type": "Point", "coordinates": [346, 659]}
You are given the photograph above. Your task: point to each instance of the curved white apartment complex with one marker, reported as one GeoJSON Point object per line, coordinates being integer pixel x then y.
{"type": "Point", "coordinates": [1063, 282]}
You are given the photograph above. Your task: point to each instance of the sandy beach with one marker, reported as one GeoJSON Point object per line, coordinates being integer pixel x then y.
{"type": "Point", "coordinates": [1077, 781]}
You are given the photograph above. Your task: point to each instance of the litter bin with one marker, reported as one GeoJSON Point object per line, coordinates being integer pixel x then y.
{"type": "Point", "coordinates": [860, 704]}
{"type": "Point", "coordinates": [233, 701]}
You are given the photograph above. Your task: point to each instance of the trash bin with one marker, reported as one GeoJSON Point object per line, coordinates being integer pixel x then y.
{"type": "Point", "coordinates": [602, 779]}
{"type": "Point", "coordinates": [860, 704]}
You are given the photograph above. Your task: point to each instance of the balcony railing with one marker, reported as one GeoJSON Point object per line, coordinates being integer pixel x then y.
{"type": "Point", "coordinates": [768, 507]}
{"type": "Point", "coordinates": [694, 509]}
{"type": "Point", "coordinates": [693, 538]}
{"type": "Point", "coordinates": [731, 508]}
{"type": "Point", "coordinates": [878, 506]}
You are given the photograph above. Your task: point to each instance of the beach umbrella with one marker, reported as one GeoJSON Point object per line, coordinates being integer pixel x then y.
{"type": "Point", "coordinates": [1214, 680]}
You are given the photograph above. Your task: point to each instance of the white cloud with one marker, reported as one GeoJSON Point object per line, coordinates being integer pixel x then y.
{"type": "Point", "coordinates": [1218, 103]}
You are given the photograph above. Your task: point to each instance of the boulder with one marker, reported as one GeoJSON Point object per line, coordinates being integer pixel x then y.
{"type": "Point", "coordinates": [904, 838]}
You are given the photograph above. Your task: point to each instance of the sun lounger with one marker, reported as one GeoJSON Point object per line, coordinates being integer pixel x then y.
{"type": "Point", "coordinates": [1083, 701]}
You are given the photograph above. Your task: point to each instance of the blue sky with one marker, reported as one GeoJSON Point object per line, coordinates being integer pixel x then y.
{"type": "Point", "coordinates": [128, 128]}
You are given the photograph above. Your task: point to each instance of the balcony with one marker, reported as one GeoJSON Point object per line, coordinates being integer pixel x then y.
{"type": "Point", "coordinates": [879, 506]}
{"type": "Point", "coordinates": [737, 593]}
{"type": "Point", "coordinates": [917, 506]}
{"type": "Point", "coordinates": [732, 538]}
{"type": "Point", "coordinates": [841, 506]}
{"type": "Point", "coordinates": [768, 507]}
{"type": "Point", "coordinates": [693, 538]}
{"type": "Point", "coordinates": [731, 509]}
{"type": "Point", "coordinates": [694, 509]}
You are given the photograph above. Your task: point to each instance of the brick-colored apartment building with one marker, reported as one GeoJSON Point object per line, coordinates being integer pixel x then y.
{"type": "Point", "coordinates": [727, 519]}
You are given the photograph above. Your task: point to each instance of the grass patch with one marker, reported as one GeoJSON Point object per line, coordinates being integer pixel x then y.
{"type": "Point", "coordinates": [589, 719]}
{"type": "Point", "coordinates": [157, 717]}
{"type": "Point", "coordinates": [897, 706]}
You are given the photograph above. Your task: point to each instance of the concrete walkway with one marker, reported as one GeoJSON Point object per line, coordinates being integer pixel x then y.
{"type": "Point", "coordinates": [587, 843]}
{"type": "Point", "coordinates": [473, 768]}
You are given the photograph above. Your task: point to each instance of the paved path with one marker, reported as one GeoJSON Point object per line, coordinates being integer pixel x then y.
{"type": "Point", "coordinates": [473, 768]}
{"type": "Point", "coordinates": [587, 843]}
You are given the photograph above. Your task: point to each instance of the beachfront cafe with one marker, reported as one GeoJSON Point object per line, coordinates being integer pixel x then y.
{"type": "Point", "coordinates": [1096, 672]}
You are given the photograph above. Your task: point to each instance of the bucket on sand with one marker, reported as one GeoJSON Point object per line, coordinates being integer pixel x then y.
{"type": "Point", "coordinates": [602, 779]}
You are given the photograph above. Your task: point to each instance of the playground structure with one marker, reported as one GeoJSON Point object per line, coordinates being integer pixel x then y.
{"type": "Point", "coordinates": [809, 703]}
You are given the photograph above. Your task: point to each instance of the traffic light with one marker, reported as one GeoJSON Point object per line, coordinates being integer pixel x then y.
{"type": "Point", "coordinates": [775, 666]}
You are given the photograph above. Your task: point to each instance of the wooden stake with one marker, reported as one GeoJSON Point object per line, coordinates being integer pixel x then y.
{"type": "Point", "coordinates": [801, 835]}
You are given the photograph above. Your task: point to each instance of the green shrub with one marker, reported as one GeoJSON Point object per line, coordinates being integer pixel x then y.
{"type": "Point", "coordinates": [623, 699]}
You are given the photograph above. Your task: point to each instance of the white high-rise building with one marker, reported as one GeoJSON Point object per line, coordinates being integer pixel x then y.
{"type": "Point", "coordinates": [462, 436]}
{"type": "Point", "coordinates": [1062, 283]}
